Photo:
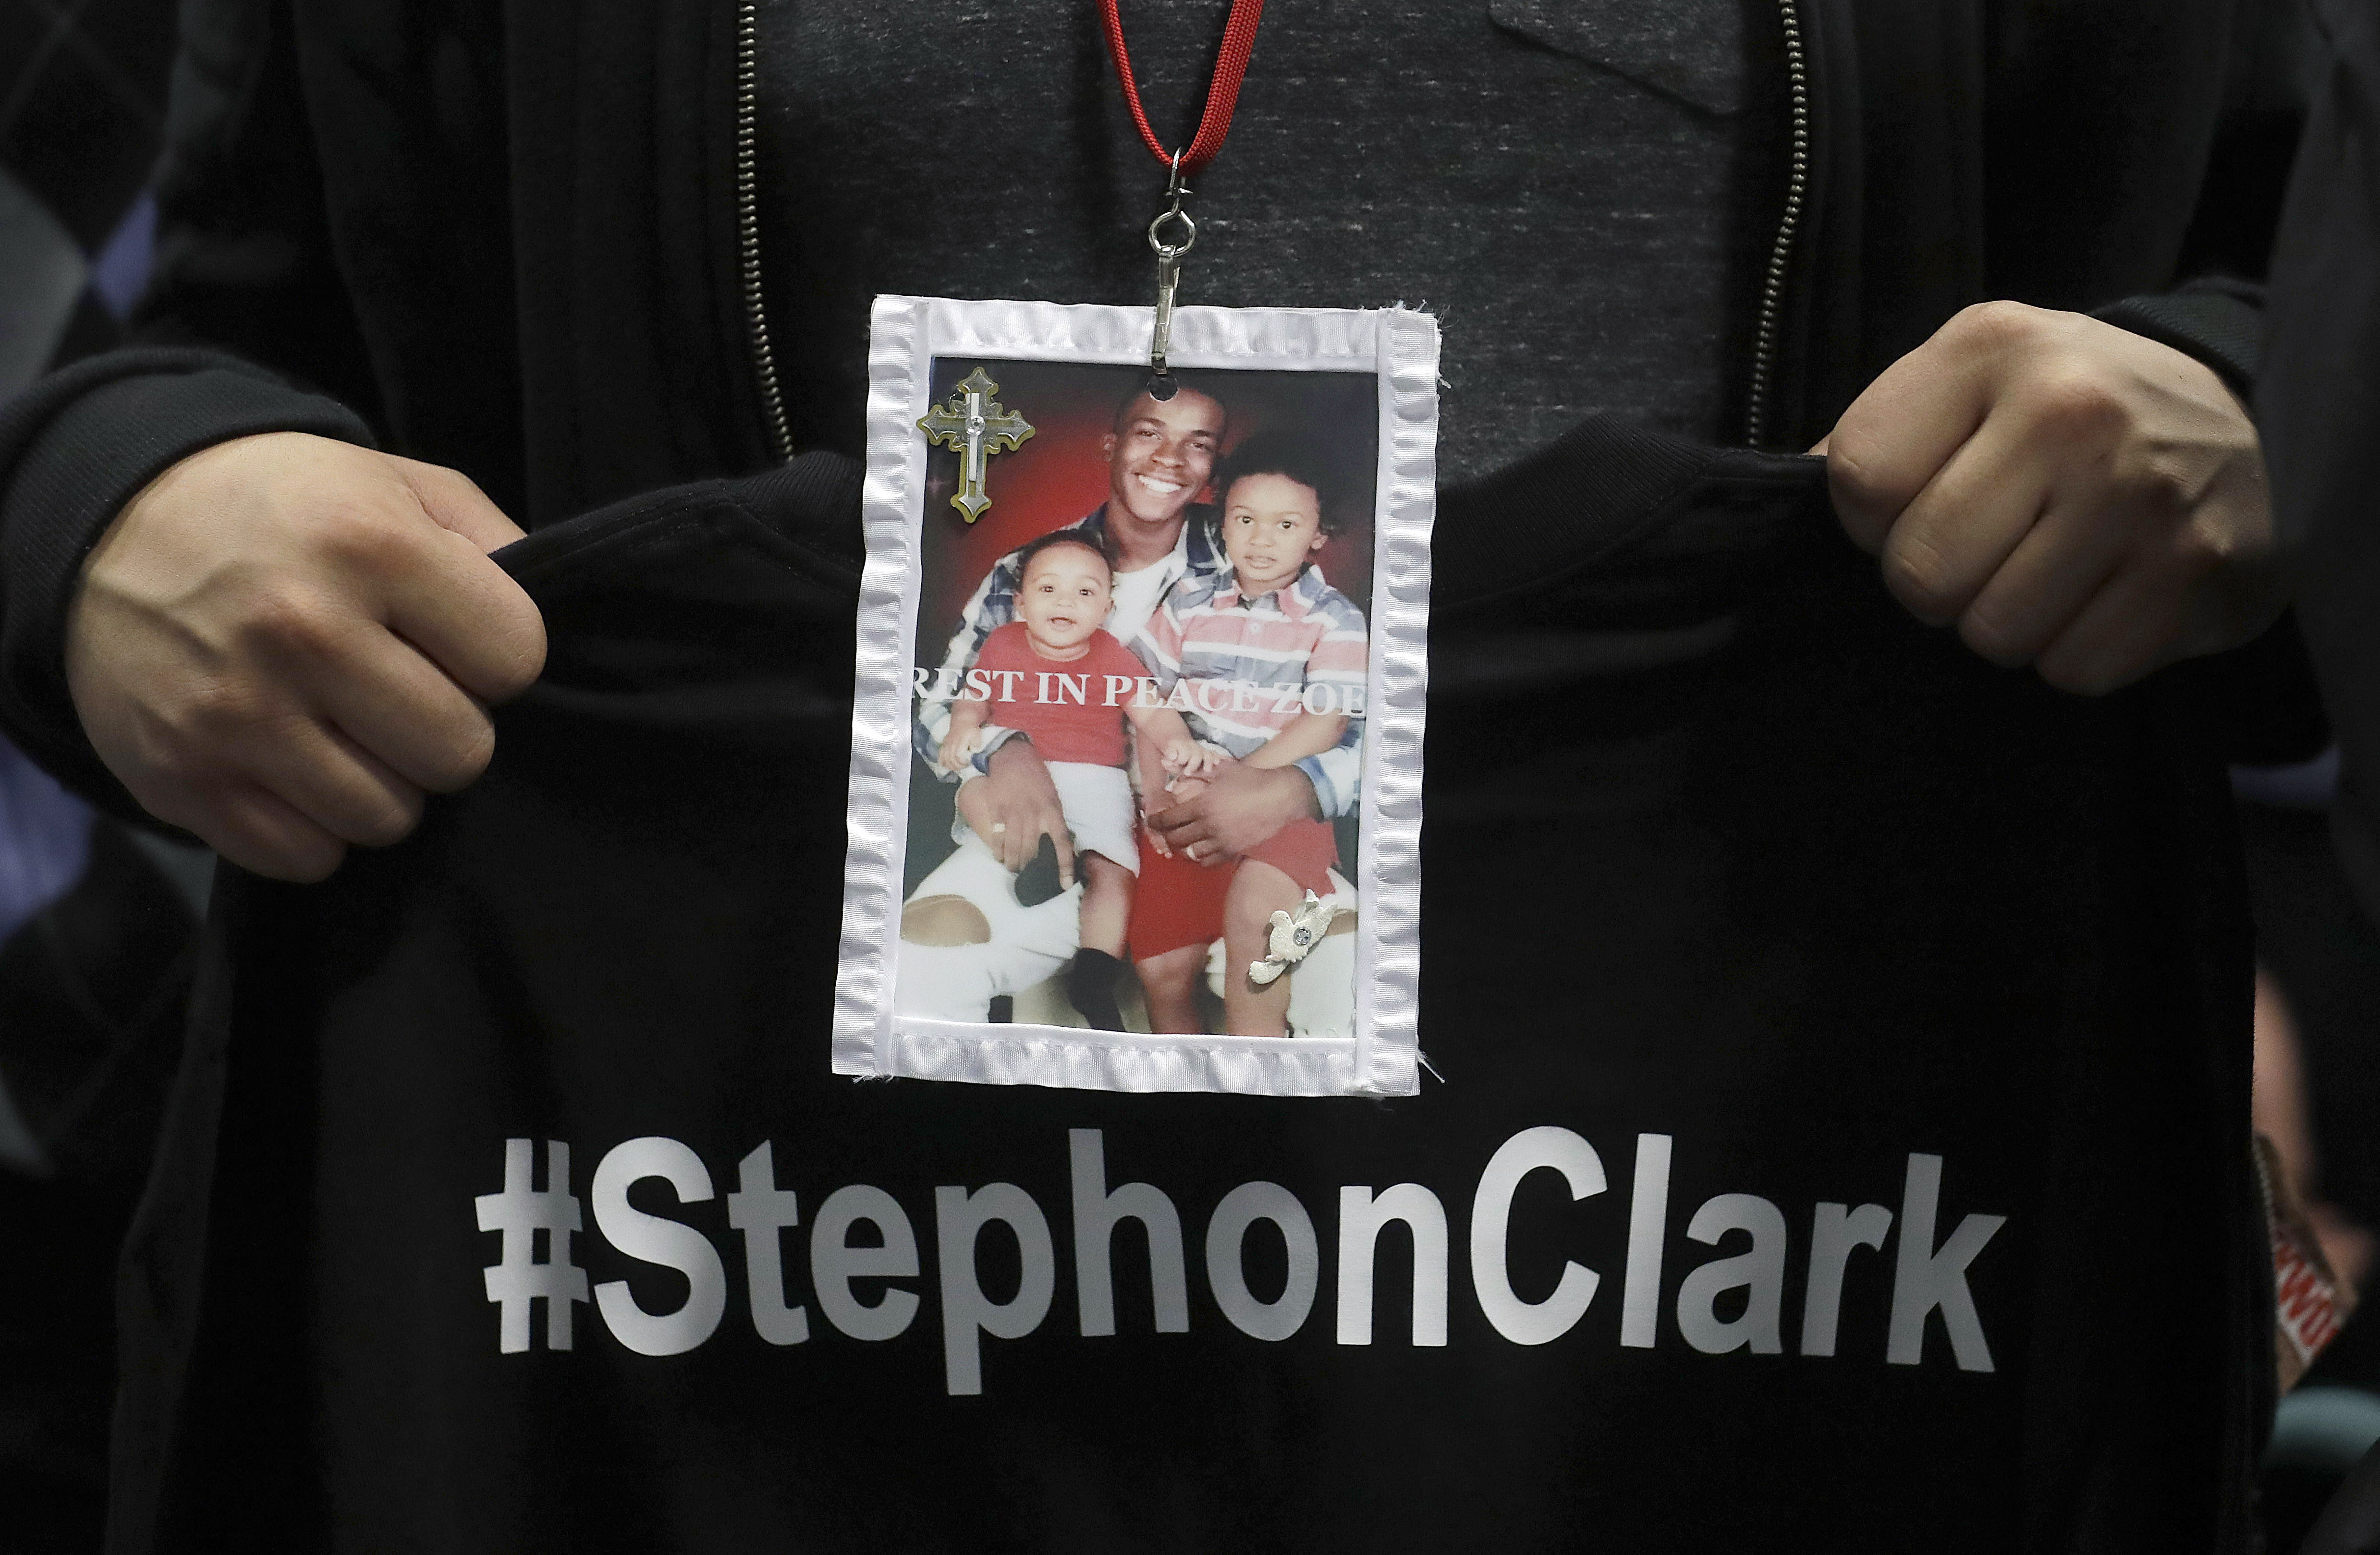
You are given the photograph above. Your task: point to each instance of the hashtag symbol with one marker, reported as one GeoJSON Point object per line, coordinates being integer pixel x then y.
{"type": "Point", "coordinates": [520, 1277]}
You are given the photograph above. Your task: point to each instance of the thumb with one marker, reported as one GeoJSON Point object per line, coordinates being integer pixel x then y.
{"type": "Point", "coordinates": [455, 501]}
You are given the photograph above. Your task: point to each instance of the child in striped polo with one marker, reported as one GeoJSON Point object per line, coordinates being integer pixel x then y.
{"type": "Point", "coordinates": [1268, 667]}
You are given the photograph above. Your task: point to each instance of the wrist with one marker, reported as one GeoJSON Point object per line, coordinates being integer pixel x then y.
{"type": "Point", "coordinates": [1297, 796]}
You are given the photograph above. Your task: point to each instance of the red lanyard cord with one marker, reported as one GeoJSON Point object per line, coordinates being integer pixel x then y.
{"type": "Point", "coordinates": [1223, 94]}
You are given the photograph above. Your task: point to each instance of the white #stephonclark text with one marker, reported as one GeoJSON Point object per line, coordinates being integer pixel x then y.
{"type": "Point", "coordinates": [868, 1286]}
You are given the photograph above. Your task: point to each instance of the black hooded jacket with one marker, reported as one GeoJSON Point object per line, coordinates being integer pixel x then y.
{"type": "Point", "coordinates": [515, 240]}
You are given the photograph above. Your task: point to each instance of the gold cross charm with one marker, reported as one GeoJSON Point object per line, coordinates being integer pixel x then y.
{"type": "Point", "coordinates": [978, 426]}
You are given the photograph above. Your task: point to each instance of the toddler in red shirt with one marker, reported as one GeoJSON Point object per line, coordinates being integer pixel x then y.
{"type": "Point", "coordinates": [1056, 676]}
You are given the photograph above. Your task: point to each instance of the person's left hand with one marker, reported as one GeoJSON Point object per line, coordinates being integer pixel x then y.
{"type": "Point", "coordinates": [2071, 496]}
{"type": "Point", "coordinates": [1188, 759]}
{"type": "Point", "coordinates": [1239, 808]}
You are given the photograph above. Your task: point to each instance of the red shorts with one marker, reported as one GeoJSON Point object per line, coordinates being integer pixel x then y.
{"type": "Point", "coordinates": [1305, 851]}
{"type": "Point", "coordinates": [1178, 903]}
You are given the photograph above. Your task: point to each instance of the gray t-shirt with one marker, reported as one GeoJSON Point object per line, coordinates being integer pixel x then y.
{"type": "Point", "coordinates": [1582, 192]}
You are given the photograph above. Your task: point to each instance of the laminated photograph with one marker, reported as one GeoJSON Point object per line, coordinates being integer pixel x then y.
{"type": "Point", "coordinates": [1135, 774]}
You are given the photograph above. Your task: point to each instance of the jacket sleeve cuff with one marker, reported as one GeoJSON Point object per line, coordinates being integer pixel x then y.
{"type": "Point", "coordinates": [74, 449]}
{"type": "Point", "coordinates": [2219, 323]}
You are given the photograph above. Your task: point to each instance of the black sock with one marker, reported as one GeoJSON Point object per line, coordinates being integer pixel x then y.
{"type": "Point", "coordinates": [1091, 988]}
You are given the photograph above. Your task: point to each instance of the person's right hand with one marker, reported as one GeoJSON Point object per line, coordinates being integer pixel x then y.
{"type": "Point", "coordinates": [1235, 808]}
{"type": "Point", "coordinates": [1018, 806]}
{"type": "Point", "coordinates": [283, 641]}
{"type": "Point", "coordinates": [1180, 791]}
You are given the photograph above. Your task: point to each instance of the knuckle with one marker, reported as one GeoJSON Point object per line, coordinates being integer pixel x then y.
{"type": "Point", "coordinates": [1852, 470]}
{"type": "Point", "coordinates": [1920, 577]}
{"type": "Point", "coordinates": [2165, 481]}
{"type": "Point", "coordinates": [460, 759]}
{"type": "Point", "coordinates": [174, 778]}
{"type": "Point", "coordinates": [1999, 323]}
{"type": "Point", "coordinates": [360, 535]}
{"type": "Point", "coordinates": [516, 670]}
{"type": "Point", "coordinates": [2198, 550]}
{"type": "Point", "coordinates": [304, 856]}
{"type": "Point", "coordinates": [2079, 676]}
{"type": "Point", "coordinates": [212, 709]}
{"type": "Point", "coordinates": [516, 647]}
{"type": "Point", "coordinates": [421, 472]}
{"type": "Point", "coordinates": [288, 621]}
{"type": "Point", "coordinates": [176, 796]}
{"type": "Point", "coordinates": [391, 819]}
{"type": "Point", "coordinates": [1996, 638]}
{"type": "Point", "coordinates": [308, 862]}
{"type": "Point", "coordinates": [1868, 489]}
{"type": "Point", "coordinates": [2074, 397]}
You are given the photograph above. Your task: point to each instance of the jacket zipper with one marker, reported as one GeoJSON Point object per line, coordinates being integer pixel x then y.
{"type": "Point", "coordinates": [748, 226]}
{"type": "Point", "coordinates": [1789, 226]}
{"type": "Point", "coordinates": [755, 317]}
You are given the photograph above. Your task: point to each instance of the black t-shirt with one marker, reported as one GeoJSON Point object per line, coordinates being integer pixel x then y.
{"type": "Point", "coordinates": [1841, 1140]}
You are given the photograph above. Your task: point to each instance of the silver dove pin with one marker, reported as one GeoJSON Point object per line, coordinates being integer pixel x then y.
{"type": "Point", "coordinates": [1292, 936]}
